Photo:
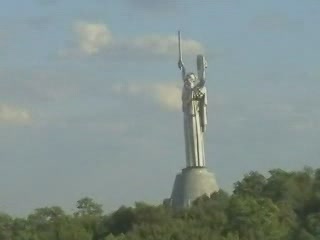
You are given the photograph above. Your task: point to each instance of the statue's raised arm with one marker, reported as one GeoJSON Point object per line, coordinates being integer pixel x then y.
{"type": "Point", "coordinates": [180, 62]}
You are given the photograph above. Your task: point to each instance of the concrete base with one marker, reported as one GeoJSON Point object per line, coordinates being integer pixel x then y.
{"type": "Point", "coordinates": [191, 183]}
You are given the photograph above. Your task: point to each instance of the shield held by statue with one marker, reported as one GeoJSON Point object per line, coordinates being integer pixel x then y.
{"type": "Point", "coordinates": [201, 66]}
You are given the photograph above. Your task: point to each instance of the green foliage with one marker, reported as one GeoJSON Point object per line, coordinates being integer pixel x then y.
{"type": "Point", "coordinates": [283, 206]}
{"type": "Point", "coordinates": [252, 184]}
{"type": "Point", "coordinates": [5, 225]}
{"type": "Point", "coordinates": [313, 224]}
{"type": "Point", "coordinates": [87, 207]}
{"type": "Point", "coordinates": [255, 218]}
{"type": "Point", "coordinates": [294, 188]}
{"type": "Point", "coordinates": [121, 221]}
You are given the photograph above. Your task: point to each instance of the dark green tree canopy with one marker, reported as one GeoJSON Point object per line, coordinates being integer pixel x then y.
{"type": "Point", "coordinates": [281, 206]}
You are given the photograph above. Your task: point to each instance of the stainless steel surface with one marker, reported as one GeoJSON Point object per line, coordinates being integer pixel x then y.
{"type": "Point", "coordinates": [195, 180]}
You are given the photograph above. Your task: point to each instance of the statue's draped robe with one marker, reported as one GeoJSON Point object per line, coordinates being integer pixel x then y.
{"type": "Point", "coordinates": [194, 102]}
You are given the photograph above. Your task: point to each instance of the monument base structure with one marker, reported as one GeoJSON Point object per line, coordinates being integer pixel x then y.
{"type": "Point", "coordinates": [190, 184]}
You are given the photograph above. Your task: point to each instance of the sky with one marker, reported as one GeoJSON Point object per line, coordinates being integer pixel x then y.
{"type": "Point", "coordinates": [90, 95]}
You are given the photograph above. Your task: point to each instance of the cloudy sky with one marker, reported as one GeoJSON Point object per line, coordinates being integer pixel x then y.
{"type": "Point", "coordinates": [90, 95]}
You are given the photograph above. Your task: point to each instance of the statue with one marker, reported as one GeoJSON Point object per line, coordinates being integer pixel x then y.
{"type": "Point", "coordinates": [195, 180]}
{"type": "Point", "coordinates": [194, 106]}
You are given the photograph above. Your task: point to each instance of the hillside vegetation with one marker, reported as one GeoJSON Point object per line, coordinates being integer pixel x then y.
{"type": "Point", "coordinates": [282, 206]}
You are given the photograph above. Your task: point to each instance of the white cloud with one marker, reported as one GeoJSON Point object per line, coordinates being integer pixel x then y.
{"type": "Point", "coordinates": [14, 115]}
{"type": "Point", "coordinates": [92, 37]}
{"type": "Point", "coordinates": [164, 45]}
{"type": "Point", "coordinates": [167, 95]}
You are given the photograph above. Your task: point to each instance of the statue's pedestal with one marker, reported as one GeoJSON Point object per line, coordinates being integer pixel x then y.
{"type": "Point", "coordinates": [191, 183]}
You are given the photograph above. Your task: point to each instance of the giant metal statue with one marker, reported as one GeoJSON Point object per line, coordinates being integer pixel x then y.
{"type": "Point", "coordinates": [195, 180]}
{"type": "Point", "coordinates": [194, 106]}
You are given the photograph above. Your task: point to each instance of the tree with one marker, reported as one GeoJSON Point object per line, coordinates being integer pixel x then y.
{"type": "Point", "coordinates": [5, 226]}
{"type": "Point", "coordinates": [86, 206]}
{"type": "Point", "coordinates": [285, 206]}
{"type": "Point", "coordinates": [89, 215]}
{"type": "Point", "coordinates": [210, 211]}
{"type": "Point", "coordinates": [293, 188]}
{"type": "Point", "coordinates": [255, 218]}
{"type": "Point", "coordinates": [121, 221]}
{"type": "Point", "coordinates": [252, 184]}
{"type": "Point", "coordinates": [313, 224]}
{"type": "Point", "coordinates": [46, 223]}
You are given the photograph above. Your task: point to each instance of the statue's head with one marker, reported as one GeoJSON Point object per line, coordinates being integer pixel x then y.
{"type": "Point", "coordinates": [190, 79]}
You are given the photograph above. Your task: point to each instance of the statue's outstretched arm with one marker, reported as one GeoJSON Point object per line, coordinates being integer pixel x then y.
{"type": "Point", "coordinates": [183, 69]}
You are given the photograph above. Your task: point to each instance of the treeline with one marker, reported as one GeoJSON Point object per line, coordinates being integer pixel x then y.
{"type": "Point", "coordinates": [282, 206]}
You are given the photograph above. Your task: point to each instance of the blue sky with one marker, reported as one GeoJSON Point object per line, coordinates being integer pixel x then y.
{"type": "Point", "coordinates": [90, 95]}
